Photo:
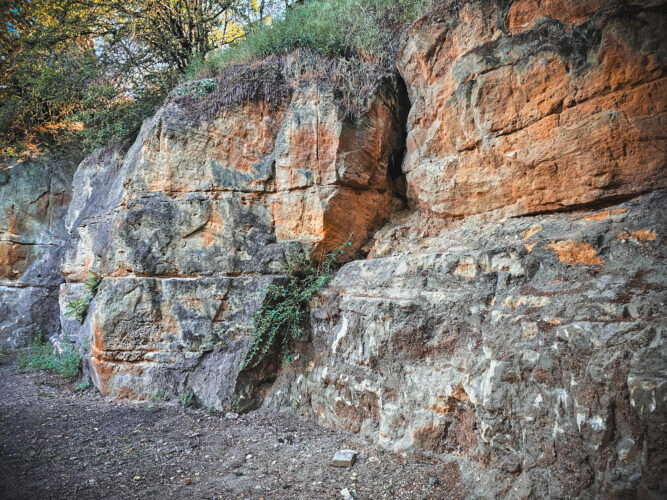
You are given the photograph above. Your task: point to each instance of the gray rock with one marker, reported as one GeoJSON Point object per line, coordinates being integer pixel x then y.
{"type": "Point", "coordinates": [539, 373]}
{"type": "Point", "coordinates": [34, 198]}
{"type": "Point", "coordinates": [344, 458]}
{"type": "Point", "coordinates": [345, 493]}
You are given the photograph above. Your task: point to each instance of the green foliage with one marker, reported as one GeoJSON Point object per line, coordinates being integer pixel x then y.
{"type": "Point", "coordinates": [82, 386]}
{"type": "Point", "coordinates": [41, 356]}
{"type": "Point", "coordinates": [280, 318]}
{"type": "Point", "coordinates": [107, 115]}
{"type": "Point", "coordinates": [187, 399]}
{"type": "Point", "coordinates": [80, 74]}
{"type": "Point", "coordinates": [339, 28]}
{"type": "Point", "coordinates": [93, 283]}
{"type": "Point", "coordinates": [40, 92]}
{"type": "Point", "coordinates": [78, 308]}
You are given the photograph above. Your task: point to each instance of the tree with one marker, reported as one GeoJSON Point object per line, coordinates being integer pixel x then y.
{"type": "Point", "coordinates": [89, 70]}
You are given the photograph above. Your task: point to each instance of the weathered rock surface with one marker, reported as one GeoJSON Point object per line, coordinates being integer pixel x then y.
{"type": "Point", "coordinates": [525, 107]}
{"type": "Point", "coordinates": [33, 202]}
{"type": "Point", "coordinates": [511, 319]}
{"type": "Point", "coordinates": [497, 342]}
{"type": "Point", "coordinates": [191, 225]}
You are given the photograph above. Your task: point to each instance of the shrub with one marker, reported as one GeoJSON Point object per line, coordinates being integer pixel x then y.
{"type": "Point", "coordinates": [41, 356]}
{"type": "Point", "coordinates": [280, 318]}
{"type": "Point", "coordinates": [93, 283]}
{"type": "Point", "coordinates": [187, 399]}
{"type": "Point", "coordinates": [341, 28]}
{"type": "Point", "coordinates": [108, 116]}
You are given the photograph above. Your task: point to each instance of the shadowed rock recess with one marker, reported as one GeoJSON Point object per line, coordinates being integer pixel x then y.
{"type": "Point", "coordinates": [505, 310]}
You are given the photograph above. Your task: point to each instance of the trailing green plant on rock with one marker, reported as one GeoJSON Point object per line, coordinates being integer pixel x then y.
{"type": "Point", "coordinates": [281, 316]}
{"type": "Point", "coordinates": [41, 356]}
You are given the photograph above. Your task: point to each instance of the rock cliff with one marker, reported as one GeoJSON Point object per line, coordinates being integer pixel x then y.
{"type": "Point", "coordinates": [33, 203]}
{"type": "Point", "coordinates": [191, 225]}
{"type": "Point", "coordinates": [504, 303]}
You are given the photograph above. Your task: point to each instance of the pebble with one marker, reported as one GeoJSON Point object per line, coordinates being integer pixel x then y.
{"type": "Point", "coordinates": [345, 493]}
{"type": "Point", "coordinates": [187, 481]}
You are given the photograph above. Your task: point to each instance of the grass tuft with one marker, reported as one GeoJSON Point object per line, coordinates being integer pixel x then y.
{"type": "Point", "coordinates": [41, 356]}
{"type": "Point", "coordinates": [348, 46]}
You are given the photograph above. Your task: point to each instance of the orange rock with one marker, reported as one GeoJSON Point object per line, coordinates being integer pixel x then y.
{"type": "Point", "coordinates": [605, 214]}
{"type": "Point", "coordinates": [524, 13]}
{"type": "Point", "coordinates": [531, 231]}
{"type": "Point", "coordinates": [497, 125]}
{"type": "Point", "coordinates": [644, 235]}
{"type": "Point", "coordinates": [575, 252]}
{"type": "Point", "coordinates": [639, 235]}
{"type": "Point", "coordinates": [14, 259]}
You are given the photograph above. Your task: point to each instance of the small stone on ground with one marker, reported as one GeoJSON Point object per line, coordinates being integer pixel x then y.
{"type": "Point", "coordinates": [344, 458]}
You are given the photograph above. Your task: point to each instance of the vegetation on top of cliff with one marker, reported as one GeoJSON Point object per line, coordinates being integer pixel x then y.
{"type": "Point", "coordinates": [364, 29]}
{"type": "Point", "coordinates": [346, 45]}
{"type": "Point", "coordinates": [280, 319]}
{"type": "Point", "coordinates": [82, 74]}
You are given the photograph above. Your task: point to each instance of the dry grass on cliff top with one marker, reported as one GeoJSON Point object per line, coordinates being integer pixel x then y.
{"type": "Point", "coordinates": [345, 45]}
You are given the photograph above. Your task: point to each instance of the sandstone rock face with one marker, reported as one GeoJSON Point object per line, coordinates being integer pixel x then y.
{"type": "Point", "coordinates": [191, 225]}
{"type": "Point", "coordinates": [531, 348]}
{"type": "Point", "coordinates": [510, 321]}
{"type": "Point", "coordinates": [33, 202]}
{"type": "Point", "coordinates": [535, 106]}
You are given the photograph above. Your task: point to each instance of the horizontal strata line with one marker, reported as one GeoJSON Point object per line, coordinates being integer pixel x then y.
{"type": "Point", "coordinates": [191, 278]}
{"type": "Point", "coordinates": [266, 193]}
{"type": "Point", "coordinates": [27, 285]}
{"type": "Point", "coordinates": [28, 243]}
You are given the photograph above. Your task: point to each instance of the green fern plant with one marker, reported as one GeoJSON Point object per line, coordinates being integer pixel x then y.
{"type": "Point", "coordinates": [78, 308]}
{"type": "Point", "coordinates": [93, 283]}
{"type": "Point", "coordinates": [279, 320]}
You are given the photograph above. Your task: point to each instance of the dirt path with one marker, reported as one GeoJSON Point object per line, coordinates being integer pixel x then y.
{"type": "Point", "coordinates": [55, 443]}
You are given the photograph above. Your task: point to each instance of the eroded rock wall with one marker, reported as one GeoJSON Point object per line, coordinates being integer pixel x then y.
{"type": "Point", "coordinates": [190, 226]}
{"type": "Point", "coordinates": [533, 346]}
{"type": "Point", "coordinates": [34, 197]}
{"type": "Point", "coordinates": [524, 107]}
{"type": "Point", "coordinates": [512, 320]}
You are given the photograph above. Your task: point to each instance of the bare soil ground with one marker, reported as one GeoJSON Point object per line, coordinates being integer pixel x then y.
{"type": "Point", "coordinates": [56, 443]}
